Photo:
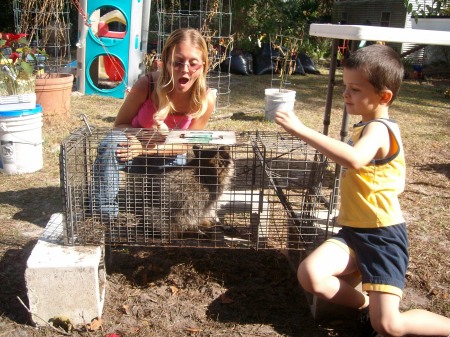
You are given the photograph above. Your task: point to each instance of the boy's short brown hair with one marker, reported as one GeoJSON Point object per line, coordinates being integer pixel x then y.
{"type": "Point", "coordinates": [381, 66]}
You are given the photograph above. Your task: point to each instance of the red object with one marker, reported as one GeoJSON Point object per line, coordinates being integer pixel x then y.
{"type": "Point", "coordinates": [344, 48]}
{"type": "Point", "coordinates": [14, 56]}
{"type": "Point", "coordinates": [103, 31]}
{"type": "Point", "coordinates": [113, 68]}
{"type": "Point", "coordinates": [10, 38]}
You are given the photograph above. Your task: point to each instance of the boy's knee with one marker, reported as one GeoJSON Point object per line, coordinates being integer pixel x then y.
{"type": "Point", "coordinates": [387, 326]}
{"type": "Point", "coordinates": [304, 277]}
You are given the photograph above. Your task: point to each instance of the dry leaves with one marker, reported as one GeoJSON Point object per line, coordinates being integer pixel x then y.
{"type": "Point", "coordinates": [95, 324]}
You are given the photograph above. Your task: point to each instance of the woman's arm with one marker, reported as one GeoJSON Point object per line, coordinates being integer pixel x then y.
{"type": "Point", "coordinates": [130, 107]}
{"type": "Point", "coordinates": [143, 147]}
{"type": "Point", "coordinates": [196, 124]}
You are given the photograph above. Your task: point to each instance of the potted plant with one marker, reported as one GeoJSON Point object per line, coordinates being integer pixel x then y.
{"type": "Point", "coordinates": [53, 91]}
{"type": "Point", "coordinates": [18, 72]}
{"type": "Point", "coordinates": [284, 51]}
{"type": "Point", "coordinates": [20, 117]}
{"type": "Point", "coordinates": [429, 16]}
{"type": "Point", "coordinates": [425, 9]}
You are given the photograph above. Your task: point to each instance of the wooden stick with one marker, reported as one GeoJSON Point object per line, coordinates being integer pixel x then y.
{"type": "Point", "coordinates": [46, 323]}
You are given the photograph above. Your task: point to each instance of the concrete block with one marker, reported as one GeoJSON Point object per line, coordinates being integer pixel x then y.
{"type": "Point", "coordinates": [64, 280]}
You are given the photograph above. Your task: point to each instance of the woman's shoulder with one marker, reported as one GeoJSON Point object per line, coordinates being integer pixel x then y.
{"type": "Point", "coordinates": [211, 95]}
{"type": "Point", "coordinates": [147, 78]}
{"type": "Point", "coordinates": [142, 85]}
{"type": "Point", "coordinates": [153, 76]}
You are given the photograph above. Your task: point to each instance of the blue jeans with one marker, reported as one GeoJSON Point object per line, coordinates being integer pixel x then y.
{"type": "Point", "coordinates": [107, 167]}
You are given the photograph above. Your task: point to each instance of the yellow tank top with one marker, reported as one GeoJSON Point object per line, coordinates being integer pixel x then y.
{"type": "Point", "coordinates": [369, 195]}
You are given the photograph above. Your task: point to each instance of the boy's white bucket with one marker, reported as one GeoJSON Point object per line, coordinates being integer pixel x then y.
{"type": "Point", "coordinates": [278, 100]}
{"type": "Point", "coordinates": [21, 141]}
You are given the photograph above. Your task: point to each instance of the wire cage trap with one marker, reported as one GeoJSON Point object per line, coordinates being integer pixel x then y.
{"type": "Point", "coordinates": [253, 190]}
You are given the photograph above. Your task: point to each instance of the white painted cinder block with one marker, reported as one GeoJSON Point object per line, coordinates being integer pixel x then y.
{"type": "Point", "coordinates": [64, 280]}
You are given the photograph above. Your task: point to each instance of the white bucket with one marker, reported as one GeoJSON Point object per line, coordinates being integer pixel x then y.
{"type": "Point", "coordinates": [21, 141]}
{"type": "Point", "coordinates": [278, 100]}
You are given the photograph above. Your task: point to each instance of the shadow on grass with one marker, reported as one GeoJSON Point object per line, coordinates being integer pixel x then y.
{"type": "Point", "coordinates": [440, 168]}
{"type": "Point", "coordinates": [35, 205]}
{"type": "Point", "coordinates": [261, 287]}
{"type": "Point", "coordinates": [109, 120]}
{"type": "Point", "coordinates": [241, 116]}
{"type": "Point", "coordinates": [12, 276]}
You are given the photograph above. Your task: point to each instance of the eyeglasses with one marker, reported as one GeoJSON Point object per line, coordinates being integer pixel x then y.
{"type": "Point", "coordinates": [191, 67]}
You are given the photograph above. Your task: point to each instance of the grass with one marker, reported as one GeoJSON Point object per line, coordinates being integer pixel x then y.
{"type": "Point", "coordinates": [422, 110]}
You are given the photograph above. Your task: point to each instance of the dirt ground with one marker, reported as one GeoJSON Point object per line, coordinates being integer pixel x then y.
{"type": "Point", "coordinates": [173, 292]}
{"type": "Point", "coordinates": [194, 292]}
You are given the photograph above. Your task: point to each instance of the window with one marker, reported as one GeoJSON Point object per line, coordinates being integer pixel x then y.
{"type": "Point", "coordinates": [385, 19]}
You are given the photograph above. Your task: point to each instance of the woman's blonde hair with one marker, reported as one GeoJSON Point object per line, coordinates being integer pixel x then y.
{"type": "Point", "coordinates": [199, 102]}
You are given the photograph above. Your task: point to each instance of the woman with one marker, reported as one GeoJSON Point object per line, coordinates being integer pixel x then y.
{"type": "Point", "coordinates": [176, 97]}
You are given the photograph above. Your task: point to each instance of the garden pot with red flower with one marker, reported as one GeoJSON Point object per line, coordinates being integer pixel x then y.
{"type": "Point", "coordinates": [18, 72]}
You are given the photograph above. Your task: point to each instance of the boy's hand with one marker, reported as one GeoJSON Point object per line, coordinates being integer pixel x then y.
{"type": "Point", "coordinates": [288, 121]}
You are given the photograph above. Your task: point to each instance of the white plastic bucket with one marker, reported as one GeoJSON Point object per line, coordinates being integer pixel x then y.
{"type": "Point", "coordinates": [278, 100]}
{"type": "Point", "coordinates": [21, 141]}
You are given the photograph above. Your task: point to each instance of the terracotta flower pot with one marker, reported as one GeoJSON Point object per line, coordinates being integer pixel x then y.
{"type": "Point", "coordinates": [53, 93]}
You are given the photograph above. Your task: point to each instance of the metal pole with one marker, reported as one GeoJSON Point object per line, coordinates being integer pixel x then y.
{"type": "Point", "coordinates": [327, 115]}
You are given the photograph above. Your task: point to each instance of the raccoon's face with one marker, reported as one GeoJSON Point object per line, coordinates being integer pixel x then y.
{"type": "Point", "coordinates": [213, 160]}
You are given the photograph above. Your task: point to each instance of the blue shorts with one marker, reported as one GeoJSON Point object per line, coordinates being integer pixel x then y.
{"type": "Point", "coordinates": [381, 255]}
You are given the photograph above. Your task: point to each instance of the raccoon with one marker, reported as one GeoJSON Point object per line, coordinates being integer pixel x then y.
{"type": "Point", "coordinates": [192, 190]}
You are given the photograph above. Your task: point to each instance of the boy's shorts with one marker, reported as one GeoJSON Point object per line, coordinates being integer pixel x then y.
{"type": "Point", "coordinates": [381, 255]}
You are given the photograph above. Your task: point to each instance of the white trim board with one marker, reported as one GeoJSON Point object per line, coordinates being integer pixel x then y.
{"type": "Point", "coordinates": [386, 34]}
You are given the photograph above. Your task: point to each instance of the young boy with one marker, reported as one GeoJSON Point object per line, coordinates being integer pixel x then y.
{"type": "Point", "coordinates": [373, 239]}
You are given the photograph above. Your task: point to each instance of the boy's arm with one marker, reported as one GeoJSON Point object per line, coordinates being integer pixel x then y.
{"type": "Point", "coordinates": [374, 142]}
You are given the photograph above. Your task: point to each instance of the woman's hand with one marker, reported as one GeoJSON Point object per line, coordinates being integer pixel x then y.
{"type": "Point", "coordinates": [126, 151]}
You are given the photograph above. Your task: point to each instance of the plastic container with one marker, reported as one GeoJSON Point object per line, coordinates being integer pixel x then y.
{"type": "Point", "coordinates": [21, 141]}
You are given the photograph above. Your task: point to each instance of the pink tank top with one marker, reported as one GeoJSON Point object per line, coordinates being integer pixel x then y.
{"type": "Point", "coordinates": [144, 117]}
